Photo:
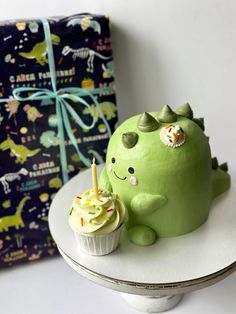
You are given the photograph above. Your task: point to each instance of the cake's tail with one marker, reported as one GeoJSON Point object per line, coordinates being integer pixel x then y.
{"type": "Point", "coordinates": [220, 177]}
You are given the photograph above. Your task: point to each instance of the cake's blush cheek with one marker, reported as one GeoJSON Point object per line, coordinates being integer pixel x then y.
{"type": "Point", "coordinates": [133, 180]}
{"type": "Point", "coordinates": [109, 168]}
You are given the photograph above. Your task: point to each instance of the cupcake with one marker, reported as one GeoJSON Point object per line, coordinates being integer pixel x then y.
{"type": "Point", "coordinates": [97, 220]}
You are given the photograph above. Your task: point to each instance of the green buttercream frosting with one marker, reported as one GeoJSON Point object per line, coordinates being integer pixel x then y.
{"type": "Point", "coordinates": [167, 115]}
{"type": "Point", "coordinates": [142, 235]}
{"type": "Point", "coordinates": [147, 123]}
{"type": "Point", "coordinates": [96, 216]}
{"type": "Point", "coordinates": [185, 111]}
{"type": "Point", "coordinates": [176, 184]}
{"type": "Point", "coordinates": [129, 139]}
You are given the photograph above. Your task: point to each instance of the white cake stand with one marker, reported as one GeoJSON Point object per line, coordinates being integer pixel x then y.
{"type": "Point", "coordinates": [153, 279]}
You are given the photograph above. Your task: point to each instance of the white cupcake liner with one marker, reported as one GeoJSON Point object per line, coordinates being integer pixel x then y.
{"type": "Point", "coordinates": [98, 244]}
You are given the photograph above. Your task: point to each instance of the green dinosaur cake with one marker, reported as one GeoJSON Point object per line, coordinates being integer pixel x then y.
{"type": "Point", "coordinates": [161, 166]}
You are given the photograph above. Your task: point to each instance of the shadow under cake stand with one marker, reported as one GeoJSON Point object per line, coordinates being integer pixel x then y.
{"type": "Point", "coordinates": [154, 278]}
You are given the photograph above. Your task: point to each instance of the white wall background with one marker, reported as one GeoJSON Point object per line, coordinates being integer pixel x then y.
{"type": "Point", "coordinates": [166, 51]}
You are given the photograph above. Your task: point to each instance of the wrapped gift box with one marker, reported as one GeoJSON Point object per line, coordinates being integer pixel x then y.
{"type": "Point", "coordinates": [57, 110]}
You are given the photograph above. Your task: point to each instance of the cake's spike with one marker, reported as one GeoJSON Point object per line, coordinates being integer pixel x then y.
{"type": "Point", "coordinates": [167, 115]}
{"type": "Point", "coordinates": [200, 123]}
{"type": "Point", "coordinates": [185, 111]}
{"type": "Point", "coordinates": [129, 139]}
{"type": "Point", "coordinates": [224, 167]}
{"type": "Point", "coordinates": [215, 164]}
{"type": "Point", "coordinates": [147, 123]}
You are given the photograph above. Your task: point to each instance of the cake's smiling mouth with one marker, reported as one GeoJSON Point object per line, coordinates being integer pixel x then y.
{"type": "Point", "coordinates": [119, 177]}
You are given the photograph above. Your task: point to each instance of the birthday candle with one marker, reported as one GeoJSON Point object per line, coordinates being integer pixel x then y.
{"type": "Point", "coordinates": [95, 179]}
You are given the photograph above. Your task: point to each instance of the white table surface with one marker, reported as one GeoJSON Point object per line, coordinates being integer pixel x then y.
{"type": "Point", "coordinates": [50, 286]}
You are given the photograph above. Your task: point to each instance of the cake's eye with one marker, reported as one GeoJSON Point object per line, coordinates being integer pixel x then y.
{"type": "Point", "coordinates": [131, 170]}
{"type": "Point", "coordinates": [113, 160]}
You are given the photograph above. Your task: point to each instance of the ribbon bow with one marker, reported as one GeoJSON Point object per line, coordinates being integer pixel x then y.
{"type": "Point", "coordinates": [62, 98]}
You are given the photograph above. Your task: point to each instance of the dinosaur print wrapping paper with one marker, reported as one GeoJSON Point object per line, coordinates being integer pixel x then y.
{"type": "Point", "coordinates": [30, 139]}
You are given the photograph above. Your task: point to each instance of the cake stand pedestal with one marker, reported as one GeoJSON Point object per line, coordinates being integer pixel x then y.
{"type": "Point", "coordinates": [152, 279]}
{"type": "Point", "coordinates": [156, 304]}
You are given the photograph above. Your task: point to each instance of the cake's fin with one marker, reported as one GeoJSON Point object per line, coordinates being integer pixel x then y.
{"type": "Point", "coordinates": [129, 139]}
{"type": "Point", "coordinates": [167, 115]}
{"type": "Point", "coordinates": [200, 122]}
{"type": "Point", "coordinates": [104, 182]}
{"type": "Point", "coordinates": [145, 204]}
{"type": "Point", "coordinates": [147, 123]}
{"type": "Point", "coordinates": [220, 180]}
{"type": "Point", "coordinates": [215, 164]}
{"type": "Point", "coordinates": [224, 167]}
{"type": "Point", "coordinates": [185, 111]}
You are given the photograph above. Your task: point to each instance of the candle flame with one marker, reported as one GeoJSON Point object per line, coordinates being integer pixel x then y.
{"type": "Point", "coordinates": [94, 160]}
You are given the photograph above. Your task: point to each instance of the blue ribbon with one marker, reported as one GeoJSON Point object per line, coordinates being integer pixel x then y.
{"type": "Point", "coordinates": [63, 107]}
